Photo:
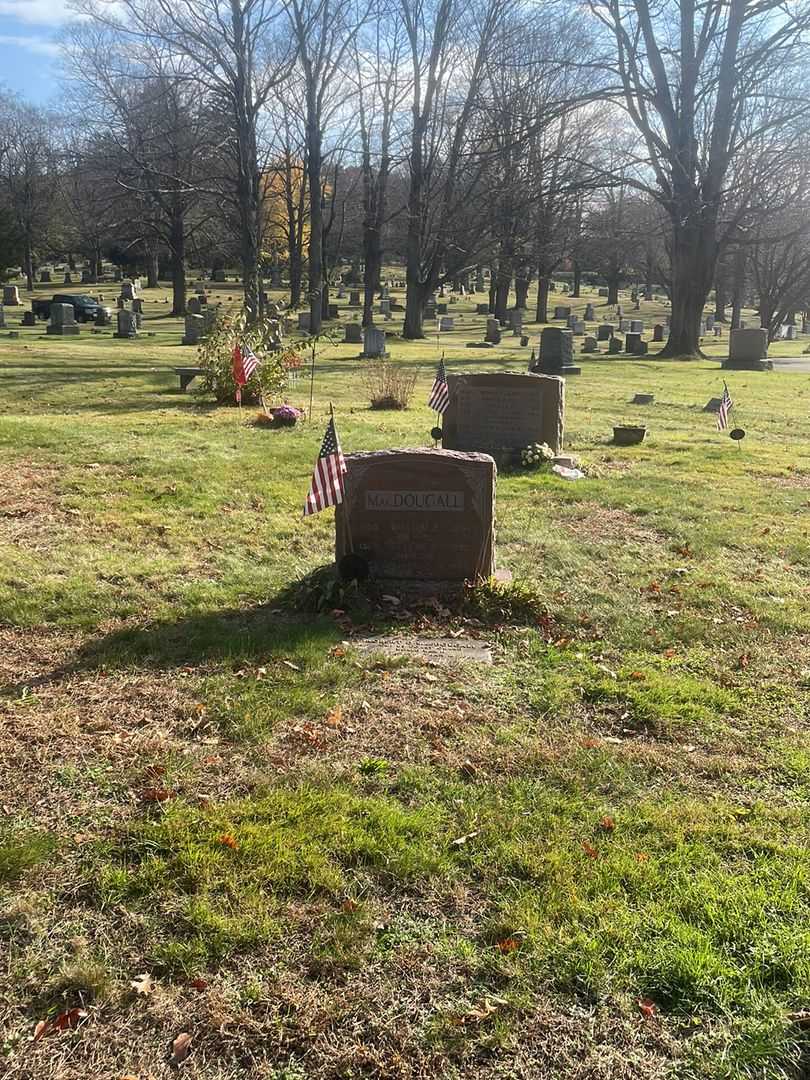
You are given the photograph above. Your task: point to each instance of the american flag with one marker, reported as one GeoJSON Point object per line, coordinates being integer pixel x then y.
{"type": "Point", "coordinates": [439, 396]}
{"type": "Point", "coordinates": [726, 405]}
{"type": "Point", "coordinates": [327, 484]}
{"type": "Point", "coordinates": [245, 362]}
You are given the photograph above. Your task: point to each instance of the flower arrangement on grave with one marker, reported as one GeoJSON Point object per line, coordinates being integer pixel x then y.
{"type": "Point", "coordinates": [216, 359]}
{"type": "Point", "coordinates": [536, 454]}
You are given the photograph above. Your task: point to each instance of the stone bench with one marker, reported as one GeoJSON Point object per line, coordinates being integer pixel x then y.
{"type": "Point", "coordinates": [186, 375]}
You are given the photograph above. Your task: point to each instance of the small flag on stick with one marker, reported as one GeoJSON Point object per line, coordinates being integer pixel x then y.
{"type": "Point", "coordinates": [327, 484]}
{"type": "Point", "coordinates": [245, 362]}
{"type": "Point", "coordinates": [726, 405]}
{"type": "Point", "coordinates": [440, 395]}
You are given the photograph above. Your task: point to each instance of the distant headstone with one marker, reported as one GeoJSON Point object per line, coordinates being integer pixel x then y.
{"type": "Point", "coordinates": [430, 311]}
{"type": "Point", "coordinates": [589, 313]}
{"type": "Point", "coordinates": [482, 309]}
{"type": "Point", "coordinates": [128, 290]}
{"type": "Point", "coordinates": [658, 332]}
{"type": "Point", "coordinates": [614, 345]}
{"type": "Point", "coordinates": [642, 348]}
{"type": "Point", "coordinates": [68, 278]}
{"type": "Point", "coordinates": [501, 413]}
{"type": "Point", "coordinates": [304, 319]}
{"type": "Point", "coordinates": [353, 333]}
{"type": "Point", "coordinates": [425, 517]}
{"type": "Point", "coordinates": [561, 311]}
{"type": "Point", "coordinates": [748, 350]}
{"type": "Point", "coordinates": [604, 332]}
{"type": "Point", "coordinates": [333, 311]}
{"type": "Point", "coordinates": [275, 277]}
{"type": "Point", "coordinates": [710, 322]}
{"type": "Point", "coordinates": [557, 352]}
{"type": "Point", "coordinates": [577, 327]}
{"type": "Point", "coordinates": [194, 305]}
{"type": "Point", "coordinates": [194, 328]}
{"type": "Point", "coordinates": [636, 326]}
{"type": "Point", "coordinates": [718, 330]}
{"type": "Point", "coordinates": [63, 321]}
{"type": "Point", "coordinates": [373, 343]}
{"type": "Point", "coordinates": [220, 276]}
{"type": "Point", "coordinates": [118, 275]}
{"type": "Point", "coordinates": [516, 320]}
{"type": "Point", "coordinates": [589, 345]}
{"type": "Point", "coordinates": [790, 332]}
{"type": "Point", "coordinates": [603, 293]}
{"type": "Point", "coordinates": [28, 319]}
{"type": "Point", "coordinates": [11, 296]}
{"type": "Point", "coordinates": [441, 308]}
{"type": "Point", "coordinates": [493, 332]}
{"type": "Point", "coordinates": [45, 277]}
{"type": "Point", "coordinates": [713, 405]}
{"type": "Point", "coordinates": [442, 650]}
{"type": "Point", "coordinates": [2, 317]}
{"type": "Point", "coordinates": [103, 317]}
{"type": "Point", "coordinates": [354, 298]}
{"type": "Point", "coordinates": [385, 308]}
{"type": "Point", "coordinates": [624, 326]}
{"type": "Point", "coordinates": [88, 277]}
{"type": "Point", "coordinates": [631, 343]}
{"type": "Point", "coordinates": [446, 323]}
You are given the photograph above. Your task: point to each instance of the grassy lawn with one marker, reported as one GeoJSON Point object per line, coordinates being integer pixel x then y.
{"type": "Point", "coordinates": [589, 860]}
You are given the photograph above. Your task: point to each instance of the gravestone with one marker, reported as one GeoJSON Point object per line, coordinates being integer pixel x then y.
{"type": "Point", "coordinates": [624, 326]}
{"type": "Point", "coordinates": [68, 278]}
{"type": "Point", "coordinates": [103, 317]}
{"type": "Point", "coordinates": [577, 327]}
{"type": "Point", "coordinates": [28, 319]}
{"type": "Point", "coordinates": [790, 333]}
{"type": "Point", "coordinates": [631, 343]}
{"type": "Point", "coordinates": [341, 293]}
{"type": "Point", "coordinates": [446, 322]}
{"type": "Point", "coordinates": [88, 278]}
{"type": "Point", "coordinates": [561, 312]}
{"type": "Point", "coordinates": [557, 352]}
{"type": "Point", "coordinates": [589, 313]}
{"type": "Point", "coordinates": [385, 308]}
{"type": "Point", "coordinates": [220, 276]}
{"type": "Point", "coordinates": [441, 650]}
{"type": "Point", "coordinates": [45, 277]}
{"type": "Point", "coordinates": [2, 317]}
{"type": "Point", "coordinates": [710, 322]}
{"type": "Point", "coordinates": [430, 311]}
{"type": "Point", "coordinates": [304, 318]}
{"type": "Point", "coordinates": [63, 321]}
{"type": "Point", "coordinates": [118, 275]}
{"type": "Point", "coordinates": [353, 334]}
{"type": "Point", "coordinates": [194, 305]}
{"type": "Point", "coordinates": [373, 343]}
{"type": "Point", "coordinates": [354, 298]}
{"type": "Point", "coordinates": [501, 413]}
{"type": "Point", "coordinates": [658, 332]}
{"type": "Point", "coordinates": [128, 290]}
{"type": "Point", "coordinates": [603, 293]}
{"type": "Point", "coordinates": [441, 309]}
{"type": "Point", "coordinates": [425, 517]}
{"type": "Point", "coordinates": [604, 331]}
{"type": "Point", "coordinates": [589, 345]}
{"type": "Point", "coordinates": [194, 328]}
{"type": "Point", "coordinates": [636, 326]}
{"type": "Point", "coordinates": [718, 330]}
{"type": "Point", "coordinates": [333, 312]}
{"type": "Point", "coordinates": [275, 277]}
{"type": "Point", "coordinates": [482, 309]}
{"type": "Point", "coordinates": [747, 350]}
{"type": "Point", "coordinates": [614, 345]}
{"type": "Point", "coordinates": [11, 295]}
{"type": "Point", "coordinates": [642, 348]}
{"type": "Point", "coordinates": [493, 334]}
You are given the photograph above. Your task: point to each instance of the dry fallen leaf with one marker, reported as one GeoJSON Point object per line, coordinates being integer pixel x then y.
{"type": "Point", "coordinates": [508, 945]}
{"type": "Point", "coordinates": [198, 984]}
{"type": "Point", "coordinates": [607, 823]}
{"type": "Point", "coordinates": [144, 984]}
{"type": "Point", "coordinates": [459, 840]}
{"type": "Point", "coordinates": [334, 718]}
{"type": "Point", "coordinates": [229, 841]}
{"type": "Point", "coordinates": [181, 1048]}
{"type": "Point", "coordinates": [589, 850]}
{"type": "Point", "coordinates": [65, 1021]}
{"type": "Point", "coordinates": [646, 1007]}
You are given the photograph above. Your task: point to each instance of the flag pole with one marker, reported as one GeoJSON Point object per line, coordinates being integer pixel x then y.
{"type": "Point", "coordinates": [346, 524]}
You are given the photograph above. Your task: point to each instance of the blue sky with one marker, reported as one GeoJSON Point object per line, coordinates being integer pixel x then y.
{"type": "Point", "coordinates": [29, 35]}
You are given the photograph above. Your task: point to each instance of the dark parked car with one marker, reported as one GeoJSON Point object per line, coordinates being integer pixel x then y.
{"type": "Point", "coordinates": [85, 308]}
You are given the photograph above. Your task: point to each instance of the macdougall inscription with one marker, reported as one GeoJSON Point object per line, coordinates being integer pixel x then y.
{"type": "Point", "coordinates": [414, 500]}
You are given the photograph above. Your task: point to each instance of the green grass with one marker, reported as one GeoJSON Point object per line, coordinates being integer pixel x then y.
{"type": "Point", "coordinates": [346, 866]}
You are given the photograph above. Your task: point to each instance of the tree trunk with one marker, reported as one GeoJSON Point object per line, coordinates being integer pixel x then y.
{"type": "Point", "coordinates": [492, 288]}
{"type": "Point", "coordinates": [415, 291]}
{"type": "Point", "coordinates": [177, 243]}
{"type": "Point", "coordinates": [720, 300]}
{"type": "Point", "coordinates": [577, 283]}
{"type": "Point", "coordinates": [613, 282]}
{"type": "Point", "coordinates": [503, 282]}
{"type": "Point", "coordinates": [543, 283]}
{"type": "Point", "coordinates": [152, 281]}
{"type": "Point", "coordinates": [521, 292]}
{"type": "Point", "coordinates": [738, 288]}
{"type": "Point", "coordinates": [314, 167]}
{"type": "Point", "coordinates": [248, 183]}
{"type": "Point", "coordinates": [694, 257]}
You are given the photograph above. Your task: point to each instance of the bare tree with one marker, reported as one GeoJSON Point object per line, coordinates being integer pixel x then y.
{"type": "Point", "coordinates": [692, 78]}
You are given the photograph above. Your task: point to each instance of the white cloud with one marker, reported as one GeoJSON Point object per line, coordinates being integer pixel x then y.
{"type": "Point", "coordinates": [37, 45]}
{"type": "Point", "coordinates": [41, 12]}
